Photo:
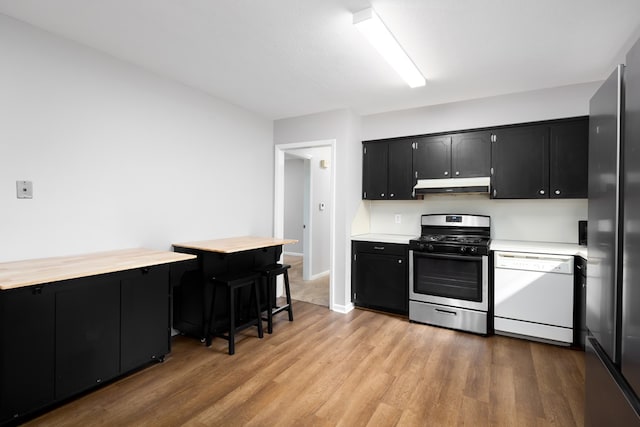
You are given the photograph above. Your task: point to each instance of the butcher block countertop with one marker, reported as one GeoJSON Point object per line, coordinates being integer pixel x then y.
{"type": "Point", "coordinates": [17, 274]}
{"type": "Point", "coordinates": [234, 244]}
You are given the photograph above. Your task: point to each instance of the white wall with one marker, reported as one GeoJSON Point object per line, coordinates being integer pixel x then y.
{"type": "Point", "coordinates": [530, 220]}
{"type": "Point", "coordinates": [536, 220]}
{"type": "Point", "coordinates": [119, 157]}
{"type": "Point", "coordinates": [344, 127]}
{"type": "Point", "coordinates": [294, 181]}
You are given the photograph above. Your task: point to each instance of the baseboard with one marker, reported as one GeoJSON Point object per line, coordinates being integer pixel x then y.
{"type": "Point", "coordinates": [344, 309]}
{"type": "Point", "coordinates": [293, 254]}
{"type": "Point", "coordinates": [319, 275]}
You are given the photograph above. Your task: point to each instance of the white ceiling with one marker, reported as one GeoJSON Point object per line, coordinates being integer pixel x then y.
{"type": "Point", "coordinates": [283, 58]}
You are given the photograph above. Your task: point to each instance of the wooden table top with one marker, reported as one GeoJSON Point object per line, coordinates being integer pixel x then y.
{"type": "Point", "coordinates": [17, 274]}
{"type": "Point", "coordinates": [234, 244]}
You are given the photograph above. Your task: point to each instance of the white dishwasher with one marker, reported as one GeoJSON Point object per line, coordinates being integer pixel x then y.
{"type": "Point", "coordinates": [533, 296]}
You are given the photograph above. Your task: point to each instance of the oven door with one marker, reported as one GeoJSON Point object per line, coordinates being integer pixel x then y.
{"type": "Point", "coordinates": [447, 279]}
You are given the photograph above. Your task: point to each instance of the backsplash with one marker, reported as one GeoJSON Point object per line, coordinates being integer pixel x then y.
{"type": "Point", "coordinates": [548, 220]}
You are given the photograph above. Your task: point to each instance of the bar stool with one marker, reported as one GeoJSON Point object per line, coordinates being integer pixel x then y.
{"type": "Point", "coordinates": [233, 282]}
{"type": "Point", "coordinates": [269, 274]}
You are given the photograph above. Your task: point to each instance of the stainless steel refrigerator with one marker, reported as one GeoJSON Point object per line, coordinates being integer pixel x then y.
{"type": "Point", "coordinates": [613, 269]}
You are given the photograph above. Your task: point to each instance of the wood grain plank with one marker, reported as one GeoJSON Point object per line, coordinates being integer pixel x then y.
{"type": "Point", "coordinates": [234, 244]}
{"type": "Point", "coordinates": [329, 369]}
{"type": "Point", "coordinates": [18, 274]}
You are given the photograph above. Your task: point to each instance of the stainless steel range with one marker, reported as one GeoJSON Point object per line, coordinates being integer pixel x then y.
{"type": "Point", "coordinates": [449, 272]}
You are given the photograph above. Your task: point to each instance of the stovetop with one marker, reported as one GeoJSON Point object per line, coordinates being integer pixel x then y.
{"type": "Point", "coordinates": [460, 239]}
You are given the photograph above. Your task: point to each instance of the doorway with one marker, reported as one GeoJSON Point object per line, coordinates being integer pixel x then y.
{"type": "Point", "coordinates": [317, 160]}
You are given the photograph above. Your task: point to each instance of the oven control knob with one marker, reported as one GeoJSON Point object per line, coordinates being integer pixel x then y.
{"type": "Point", "coordinates": [421, 246]}
{"type": "Point", "coordinates": [473, 250]}
{"type": "Point", "coordinates": [463, 249]}
{"type": "Point", "coordinates": [430, 247]}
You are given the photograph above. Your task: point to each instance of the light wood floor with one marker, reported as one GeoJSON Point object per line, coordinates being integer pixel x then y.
{"type": "Point", "coordinates": [314, 291]}
{"type": "Point", "coordinates": [330, 369]}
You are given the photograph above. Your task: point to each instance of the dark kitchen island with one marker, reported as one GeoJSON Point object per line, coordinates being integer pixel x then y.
{"type": "Point", "coordinates": [218, 256]}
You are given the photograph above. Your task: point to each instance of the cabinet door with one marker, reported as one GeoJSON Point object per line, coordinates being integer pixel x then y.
{"type": "Point", "coordinates": [381, 280]}
{"type": "Point", "coordinates": [569, 161]}
{"type": "Point", "coordinates": [375, 161]}
{"type": "Point", "coordinates": [145, 316]}
{"type": "Point", "coordinates": [87, 334]}
{"type": "Point", "coordinates": [432, 157]}
{"type": "Point", "coordinates": [400, 177]}
{"type": "Point", "coordinates": [471, 154]}
{"type": "Point", "coordinates": [27, 343]}
{"type": "Point", "coordinates": [520, 161]}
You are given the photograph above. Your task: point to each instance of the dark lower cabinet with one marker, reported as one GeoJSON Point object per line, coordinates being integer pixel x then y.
{"type": "Point", "coordinates": [87, 334]}
{"type": "Point", "coordinates": [63, 338]}
{"type": "Point", "coordinates": [580, 306]}
{"type": "Point", "coordinates": [27, 344]}
{"type": "Point", "coordinates": [145, 319]}
{"type": "Point", "coordinates": [380, 276]}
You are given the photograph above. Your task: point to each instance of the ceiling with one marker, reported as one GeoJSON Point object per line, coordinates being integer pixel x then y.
{"type": "Point", "coordinates": [284, 58]}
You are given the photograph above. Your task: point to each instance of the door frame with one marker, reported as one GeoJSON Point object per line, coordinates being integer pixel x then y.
{"type": "Point", "coordinates": [278, 205]}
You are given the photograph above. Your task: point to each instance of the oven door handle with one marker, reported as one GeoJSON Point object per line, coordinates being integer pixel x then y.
{"type": "Point", "coordinates": [449, 256]}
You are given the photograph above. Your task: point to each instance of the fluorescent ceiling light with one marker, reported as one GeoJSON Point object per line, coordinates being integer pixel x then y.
{"type": "Point", "coordinates": [368, 22]}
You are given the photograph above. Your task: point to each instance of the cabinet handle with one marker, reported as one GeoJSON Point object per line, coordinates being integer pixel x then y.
{"type": "Point", "coordinates": [541, 191]}
{"type": "Point", "coordinates": [379, 248]}
{"type": "Point", "coordinates": [36, 290]}
{"type": "Point", "coordinates": [416, 174]}
{"type": "Point", "coordinates": [446, 173]}
{"type": "Point", "coordinates": [391, 195]}
{"type": "Point", "coordinates": [145, 270]}
{"type": "Point", "coordinates": [381, 194]}
{"type": "Point", "coordinates": [557, 192]}
{"type": "Point", "coordinates": [495, 192]}
{"type": "Point", "coordinates": [457, 173]}
{"type": "Point", "coordinates": [399, 261]}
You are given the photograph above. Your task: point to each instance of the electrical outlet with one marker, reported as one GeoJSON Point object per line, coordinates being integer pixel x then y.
{"type": "Point", "coordinates": [24, 189]}
{"type": "Point", "coordinates": [397, 218]}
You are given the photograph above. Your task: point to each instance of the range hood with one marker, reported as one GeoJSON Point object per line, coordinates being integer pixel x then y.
{"type": "Point", "coordinates": [478, 185]}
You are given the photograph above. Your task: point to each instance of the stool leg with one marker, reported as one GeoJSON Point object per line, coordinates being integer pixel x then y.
{"type": "Point", "coordinates": [288, 293]}
{"type": "Point", "coordinates": [232, 322]}
{"type": "Point", "coordinates": [256, 294]}
{"type": "Point", "coordinates": [212, 311]}
{"type": "Point", "coordinates": [271, 290]}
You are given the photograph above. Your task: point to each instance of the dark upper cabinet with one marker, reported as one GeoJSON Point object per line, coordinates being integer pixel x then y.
{"type": "Point", "coordinates": [386, 170]}
{"type": "Point", "coordinates": [547, 160]}
{"type": "Point", "coordinates": [432, 157]}
{"type": "Point", "coordinates": [569, 159]}
{"type": "Point", "coordinates": [520, 158]}
{"type": "Point", "coordinates": [27, 341]}
{"type": "Point", "coordinates": [375, 162]}
{"type": "Point", "coordinates": [471, 154]}
{"type": "Point", "coordinates": [462, 155]}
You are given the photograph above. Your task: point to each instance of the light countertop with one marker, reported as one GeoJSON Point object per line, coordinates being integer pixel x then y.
{"type": "Point", "coordinates": [18, 274]}
{"type": "Point", "coordinates": [539, 247]}
{"type": "Point", "coordinates": [234, 244]}
{"type": "Point", "coordinates": [384, 238]}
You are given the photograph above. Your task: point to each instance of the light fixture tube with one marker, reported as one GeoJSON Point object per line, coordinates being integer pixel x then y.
{"type": "Point", "coordinates": [368, 22]}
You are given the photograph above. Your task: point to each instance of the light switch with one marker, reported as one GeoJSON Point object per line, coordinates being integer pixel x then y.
{"type": "Point", "coordinates": [397, 218]}
{"type": "Point", "coordinates": [24, 189]}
